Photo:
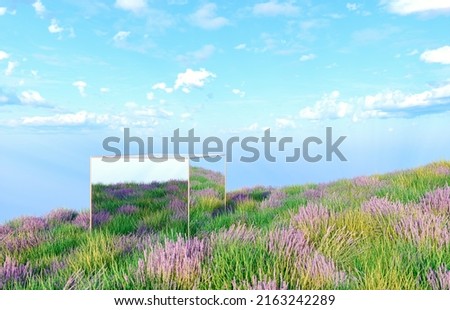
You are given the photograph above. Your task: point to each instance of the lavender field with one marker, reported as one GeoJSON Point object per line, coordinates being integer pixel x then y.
{"type": "Point", "coordinates": [372, 232]}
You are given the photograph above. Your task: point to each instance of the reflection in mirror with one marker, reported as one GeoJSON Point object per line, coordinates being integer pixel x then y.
{"type": "Point", "coordinates": [139, 197]}
{"type": "Point", "coordinates": [207, 181]}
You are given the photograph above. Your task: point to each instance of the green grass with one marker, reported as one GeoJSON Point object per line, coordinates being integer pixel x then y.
{"type": "Point", "coordinates": [368, 248]}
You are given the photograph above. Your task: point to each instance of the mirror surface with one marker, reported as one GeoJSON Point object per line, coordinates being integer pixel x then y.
{"type": "Point", "coordinates": [140, 197]}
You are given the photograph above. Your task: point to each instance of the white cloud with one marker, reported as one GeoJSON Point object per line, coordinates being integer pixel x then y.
{"type": "Point", "coordinates": [307, 57]}
{"type": "Point", "coordinates": [185, 115]}
{"type": "Point", "coordinates": [148, 111]}
{"type": "Point", "coordinates": [284, 123]}
{"type": "Point", "coordinates": [3, 55]}
{"type": "Point", "coordinates": [406, 7]}
{"type": "Point", "coordinates": [131, 105]}
{"type": "Point", "coordinates": [191, 78]}
{"type": "Point", "coordinates": [412, 53]}
{"type": "Point", "coordinates": [352, 6]}
{"type": "Point", "coordinates": [39, 7]}
{"type": "Point", "coordinates": [162, 86]}
{"type": "Point", "coordinates": [10, 67]}
{"type": "Point", "coordinates": [241, 46]}
{"type": "Point", "coordinates": [388, 104]}
{"type": "Point", "coordinates": [329, 107]}
{"type": "Point", "coordinates": [206, 17]}
{"type": "Point", "coordinates": [238, 92]}
{"type": "Point", "coordinates": [165, 113]}
{"type": "Point", "coordinates": [104, 90]}
{"type": "Point", "coordinates": [274, 8]}
{"type": "Point", "coordinates": [31, 97]}
{"type": "Point", "coordinates": [67, 119]}
{"type": "Point", "coordinates": [81, 85]}
{"type": "Point", "coordinates": [440, 55]}
{"type": "Point", "coordinates": [134, 6]}
{"type": "Point", "coordinates": [150, 96]}
{"type": "Point", "coordinates": [121, 36]}
{"type": "Point", "coordinates": [2, 10]}
{"type": "Point", "coordinates": [55, 27]}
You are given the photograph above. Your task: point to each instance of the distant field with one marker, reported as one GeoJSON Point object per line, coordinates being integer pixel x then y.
{"type": "Point", "coordinates": [372, 232]}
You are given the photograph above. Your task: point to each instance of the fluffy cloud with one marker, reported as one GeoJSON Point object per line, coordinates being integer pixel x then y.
{"type": "Point", "coordinates": [307, 57]}
{"type": "Point", "coordinates": [162, 86]}
{"type": "Point", "coordinates": [2, 10]}
{"type": "Point", "coordinates": [134, 6]}
{"type": "Point", "coordinates": [150, 96]}
{"type": "Point", "coordinates": [440, 55]}
{"type": "Point", "coordinates": [67, 119]}
{"type": "Point", "coordinates": [3, 55]}
{"type": "Point", "coordinates": [31, 97]}
{"type": "Point", "coordinates": [55, 27]}
{"type": "Point", "coordinates": [121, 36]}
{"type": "Point", "coordinates": [81, 85]}
{"type": "Point", "coordinates": [352, 6]}
{"type": "Point", "coordinates": [274, 8]}
{"type": "Point", "coordinates": [238, 92]}
{"type": "Point", "coordinates": [406, 7]}
{"type": "Point", "coordinates": [206, 17]}
{"type": "Point", "coordinates": [104, 90]}
{"type": "Point", "coordinates": [241, 46]}
{"type": "Point", "coordinates": [39, 7]}
{"type": "Point", "coordinates": [191, 78]}
{"type": "Point", "coordinates": [389, 104]}
{"type": "Point", "coordinates": [329, 107]}
{"type": "Point", "coordinates": [10, 67]}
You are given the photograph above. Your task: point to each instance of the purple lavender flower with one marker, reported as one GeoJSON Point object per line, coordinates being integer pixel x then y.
{"type": "Point", "coordinates": [11, 272]}
{"type": "Point", "coordinates": [100, 218]}
{"type": "Point", "coordinates": [61, 216]}
{"type": "Point", "coordinates": [321, 270]}
{"type": "Point", "coordinates": [312, 214]}
{"type": "Point", "coordinates": [439, 279]}
{"type": "Point", "coordinates": [177, 264]}
{"type": "Point", "coordinates": [365, 181]}
{"type": "Point", "coordinates": [172, 188]}
{"type": "Point", "coordinates": [151, 186]}
{"type": "Point", "coordinates": [315, 193]}
{"type": "Point", "coordinates": [288, 242]}
{"type": "Point", "coordinates": [382, 206]}
{"type": "Point", "coordinates": [421, 228]}
{"type": "Point", "coordinates": [32, 224]}
{"type": "Point", "coordinates": [238, 197]}
{"type": "Point", "coordinates": [442, 170]}
{"type": "Point", "coordinates": [127, 209]}
{"type": "Point", "coordinates": [179, 208]}
{"type": "Point", "coordinates": [120, 192]}
{"type": "Point", "coordinates": [5, 231]}
{"type": "Point", "coordinates": [126, 244]}
{"type": "Point", "coordinates": [265, 284]}
{"type": "Point", "coordinates": [205, 193]}
{"type": "Point", "coordinates": [83, 220]}
{"type": "Point", "coordinates": [213, 176]}
{"type": "Point", "coordinates": [437, 200]}
{"type": "Point", "coordinates": [236, 233]}
{"type": "Point", "coordinates": [275, 200]}
{"type": "Point", "coordinates": [20, 241]}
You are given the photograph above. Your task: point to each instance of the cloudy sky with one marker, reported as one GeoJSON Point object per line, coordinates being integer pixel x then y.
{"type": "Point", "coordinates": [73, 72]}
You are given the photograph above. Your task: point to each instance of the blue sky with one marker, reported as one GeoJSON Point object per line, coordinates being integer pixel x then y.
{"type": "Point", "coordinates": [73, 72]}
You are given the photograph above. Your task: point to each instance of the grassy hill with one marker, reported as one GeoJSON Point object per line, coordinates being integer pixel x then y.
{"type": "Point", "coordinates": [372, 232]}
